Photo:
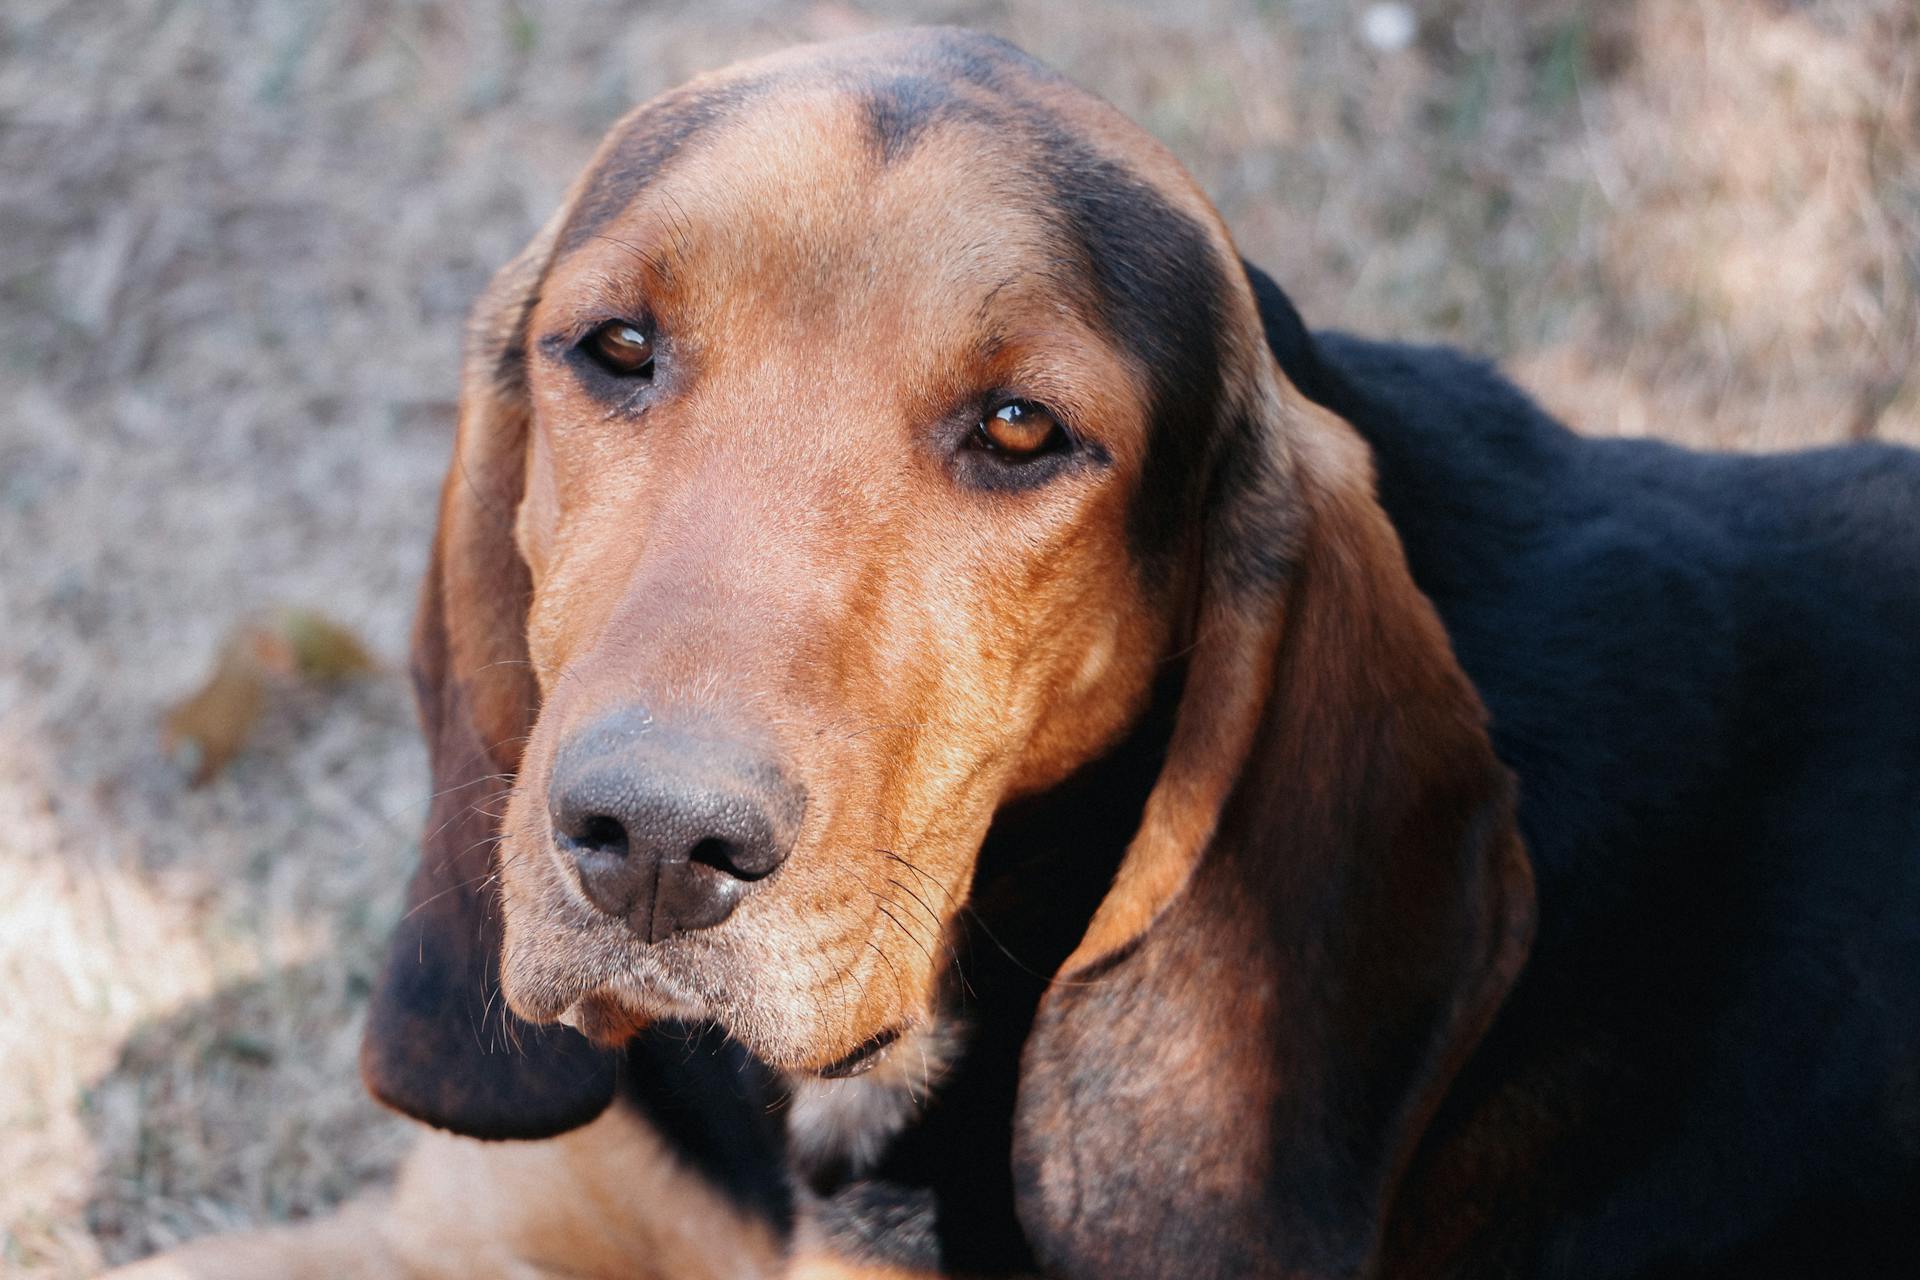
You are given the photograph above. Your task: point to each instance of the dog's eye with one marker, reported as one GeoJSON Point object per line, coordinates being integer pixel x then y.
{"type": "Point", "coordinates": [1018, 430]}
{"type": "Point", "coordinates": [622, 349]}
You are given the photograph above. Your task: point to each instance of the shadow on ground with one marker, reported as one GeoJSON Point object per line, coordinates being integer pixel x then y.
{"type": "Point", "coordinates": [205, 1110]}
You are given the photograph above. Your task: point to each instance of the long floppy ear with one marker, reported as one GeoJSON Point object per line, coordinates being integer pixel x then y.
{"type": "Point", "coordinates": [440, 1043]}
{"type": "Point", "coordinates": [1324, 905]}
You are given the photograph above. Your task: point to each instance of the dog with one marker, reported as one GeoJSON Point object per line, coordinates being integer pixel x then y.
{"type": "Point", "coordinates": [967, 739]}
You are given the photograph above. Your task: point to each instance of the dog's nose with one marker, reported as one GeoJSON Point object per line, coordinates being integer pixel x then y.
{"type": "Point", "coordinates": [669, 829]}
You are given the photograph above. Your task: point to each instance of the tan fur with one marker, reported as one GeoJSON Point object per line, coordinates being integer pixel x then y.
{"type": "Point", "coordinates": [771, 545]}
{"type": "Point", "coordinates": [824, 1266]}
{"type": "Point", "coordinates": [921, 655]}
{"type": "Point", "coordinates": [604, 1201]}
{"type": "Point", "coordinates": [1364, 860]}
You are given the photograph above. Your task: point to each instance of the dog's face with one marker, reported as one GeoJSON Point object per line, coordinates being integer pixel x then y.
{"type": "Point", "coordinates": [852, 455]}
{"type": "Point", "coordinates": [862, 390]}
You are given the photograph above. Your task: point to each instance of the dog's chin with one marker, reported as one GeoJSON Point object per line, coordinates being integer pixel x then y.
{"type": "Point", "coordinates": [612, 1015]}
{"type": "Point", "coordinates": [610, 1008]}
{"type": "Point", "coordinates": [604, 1020]}
{"type": "Point", "coordinates": [596, 978]}
{"type": "Point", "coordinates": [589, 981]}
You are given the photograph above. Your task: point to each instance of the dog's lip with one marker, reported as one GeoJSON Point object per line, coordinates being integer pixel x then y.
{"type": "Point", "coordinates": [865, 1056]}
{"type": "Point", "coordinates": [603, 1020]}
{"type": "Point", "coordinates": [549, 991]}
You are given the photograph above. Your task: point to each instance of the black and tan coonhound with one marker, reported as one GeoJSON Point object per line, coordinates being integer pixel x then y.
{"type": "Point", "coordinates": [1008, 754]}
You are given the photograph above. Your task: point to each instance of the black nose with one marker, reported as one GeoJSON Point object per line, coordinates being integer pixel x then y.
{"type": "Point", "coordinates": [668, 828]}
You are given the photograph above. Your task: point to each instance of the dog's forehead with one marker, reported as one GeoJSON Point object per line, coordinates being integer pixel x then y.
{"type": "Point", "coordinates": [973, 132]}
{"type": "Point", "coordinates": [927, 170]}
{"type": "Point", "coordinates": [899, 89]}
{"type": "Point", "coordinates": [800, 194]}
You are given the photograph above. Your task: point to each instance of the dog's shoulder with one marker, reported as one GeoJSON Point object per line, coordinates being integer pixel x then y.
{"type": "Point", "coordinates": [1645, 622]}
{"type": "Point", "coordinates": [1700, 667]}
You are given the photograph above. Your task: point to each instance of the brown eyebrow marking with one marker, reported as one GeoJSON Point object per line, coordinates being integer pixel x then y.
{"type": "Point", "coordinates": [646, 144]}
{"type": "Point", "coordinates": [900, 109]}
{"type": "Point", "coordinates": [903, 105]}
{"type": "Point", "coordinates": [1157, 288]}
{"type": "Point", "coordinates": [1140, 268]}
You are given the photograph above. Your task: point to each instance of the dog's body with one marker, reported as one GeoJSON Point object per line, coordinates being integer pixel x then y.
{"type": "Point", "coordinates": [1704, 671]}
{"type": "Point", "coordinates": [1238, 988]}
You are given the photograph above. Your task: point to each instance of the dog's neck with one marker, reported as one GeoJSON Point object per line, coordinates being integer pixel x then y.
{"type": "Point", "coordinates": [840, 1129]}
{"type": "Point", "coordinates": [926, 1133]}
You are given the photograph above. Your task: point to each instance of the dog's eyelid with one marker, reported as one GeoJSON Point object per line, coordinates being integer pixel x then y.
{"type": "Point", "coordinates": [1020, 429]}
{"type": "Point", "coordinates": [571, 325]}
{"type": "Point", "coordinates": [621, 347]}
{"type": "Point", "coordinates": [1014, 442]}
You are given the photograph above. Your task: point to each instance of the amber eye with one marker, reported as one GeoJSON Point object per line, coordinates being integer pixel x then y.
{"type": "Point", "coordinates": [621, 348]}
{"type": "Point", "coordinates": [1020, 429]}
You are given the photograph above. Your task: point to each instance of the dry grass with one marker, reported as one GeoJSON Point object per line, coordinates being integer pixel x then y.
{"type": "Point", "coordinates": [236, 240]}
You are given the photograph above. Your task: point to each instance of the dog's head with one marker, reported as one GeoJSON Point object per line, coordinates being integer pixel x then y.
{"type": "Point", "coordinates": [868, 433]}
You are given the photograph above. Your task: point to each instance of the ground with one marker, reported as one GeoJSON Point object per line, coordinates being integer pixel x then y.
{"type": "Point", "coordinates": [236, 242]}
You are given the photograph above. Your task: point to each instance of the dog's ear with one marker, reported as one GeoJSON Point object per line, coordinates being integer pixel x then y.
{"type": "Point", "coordinates": [1324, 905]}
{"type": "Point", "coordinates": [440, 1043]}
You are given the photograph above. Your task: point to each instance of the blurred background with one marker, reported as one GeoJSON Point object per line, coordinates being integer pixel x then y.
{"type": "Point", "coordinates": [236, 243]}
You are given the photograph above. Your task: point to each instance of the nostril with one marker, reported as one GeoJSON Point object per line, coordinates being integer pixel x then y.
{"type": "Point", "coordinates": [727, 857]}
{"type": "Point", "coordinates": [601, 834]}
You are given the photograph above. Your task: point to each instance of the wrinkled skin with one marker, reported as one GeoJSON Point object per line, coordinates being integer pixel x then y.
{"type": "Point", "coordinates": [790, 536]}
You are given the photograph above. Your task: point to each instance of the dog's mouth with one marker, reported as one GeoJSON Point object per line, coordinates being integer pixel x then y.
{"type": "Point", "coordinates": [864, 1058]}
{"type": "Point", "coordinates": [612, 993]}
{"type": "Point", "coordinates": [602, 1020]}
{"type": "Point", "coordinates": [610, 1017]}
{"type": "Point", "coordinates": [787, 978]}
{"type": "Point", "coordinates": [591, 981]}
